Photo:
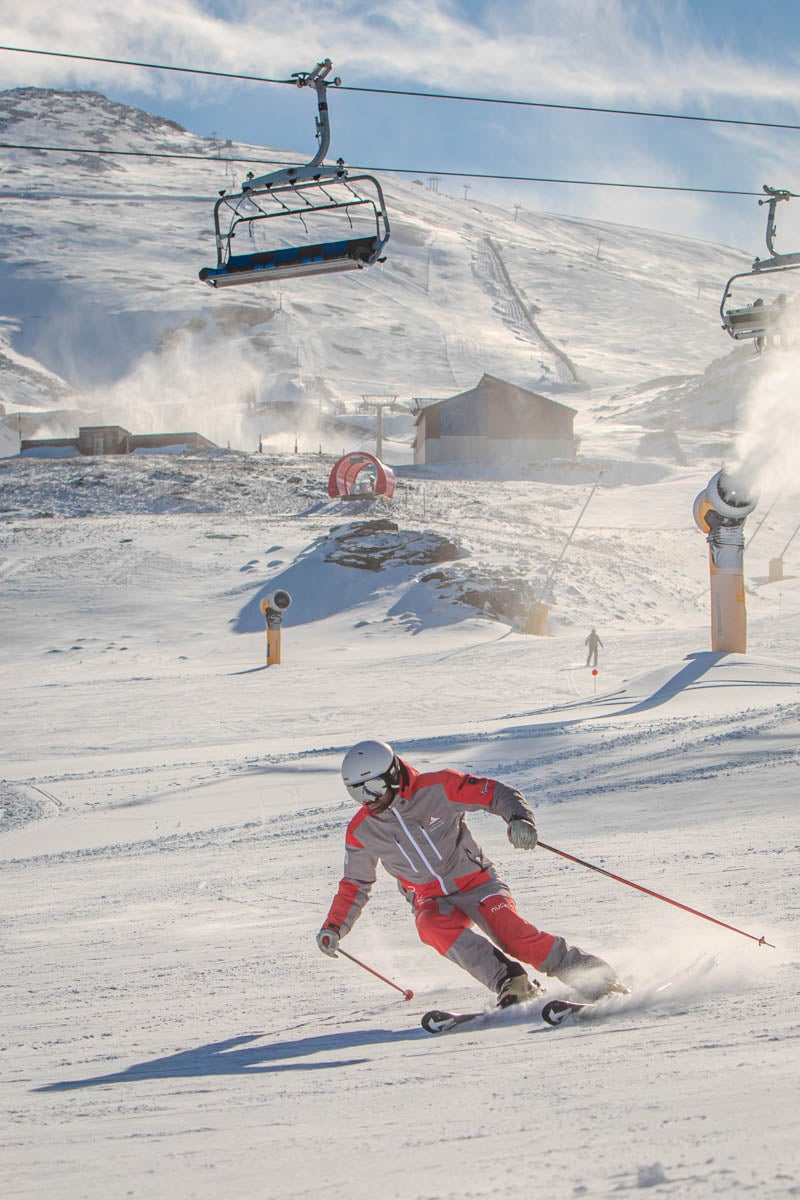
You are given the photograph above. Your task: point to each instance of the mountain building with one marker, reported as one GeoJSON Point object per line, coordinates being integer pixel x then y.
{"type": "Point", "coordinates": [113, 439]}
{"type": "Point", "coordinates": [494, 422]}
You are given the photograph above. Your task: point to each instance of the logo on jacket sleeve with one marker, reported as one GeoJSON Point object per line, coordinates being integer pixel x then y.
{"type": "Point", "coordinates": [473, 781]}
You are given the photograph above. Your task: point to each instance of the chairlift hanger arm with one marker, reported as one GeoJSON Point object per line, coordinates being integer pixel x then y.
{"type": "Point", "coordinates": [775, 260]}
{"type": "Point", "coordinates": [314, 169]}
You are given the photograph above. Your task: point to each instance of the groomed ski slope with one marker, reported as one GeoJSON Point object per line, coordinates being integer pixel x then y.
{"type": "Point", "coordinates": [172, 827]}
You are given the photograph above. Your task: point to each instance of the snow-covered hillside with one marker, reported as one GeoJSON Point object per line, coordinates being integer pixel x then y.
{"type": "Point", "coordinates": [99, 275]}
{"type": "Point", "coordinates": [171, 811]}
{"type": "Point", "coordinates": [32, 399]}
{"type": "Point", "coordinates": [172, 820]}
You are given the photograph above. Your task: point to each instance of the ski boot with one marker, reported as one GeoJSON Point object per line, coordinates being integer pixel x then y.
{"type": "Point", "coordinates": [516, 989]}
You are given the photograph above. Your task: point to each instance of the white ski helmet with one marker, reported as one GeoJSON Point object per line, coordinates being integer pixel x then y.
{"type": "Point", "coordinates": [368, 769]}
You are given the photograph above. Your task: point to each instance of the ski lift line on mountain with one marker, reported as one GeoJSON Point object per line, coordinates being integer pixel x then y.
{"type": "Point", "coordinates": [345, 472]}
{"type": "Point", "coordinates": [302, 192]}
{"type": "Point", "coordinates": [757, 320]}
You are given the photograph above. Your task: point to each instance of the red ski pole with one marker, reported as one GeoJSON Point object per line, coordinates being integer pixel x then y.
{"type": "Point", "coordinates": [762, 941]}
{"type": "Point", "coordinates": [407, 992]}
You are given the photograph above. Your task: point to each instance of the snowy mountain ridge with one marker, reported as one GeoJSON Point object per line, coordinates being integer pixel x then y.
{"type": "Point", "coordinates": [98, 279]}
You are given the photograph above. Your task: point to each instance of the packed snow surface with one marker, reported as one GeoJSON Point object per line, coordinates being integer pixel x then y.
{"type": "Point", "coordinates": [171, 813]}
{"type": "Point", "coordinates": [172, 834]}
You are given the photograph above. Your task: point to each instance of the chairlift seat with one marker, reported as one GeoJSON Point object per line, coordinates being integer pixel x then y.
{"type": "Point", "coordinates": [288, 262]}
{"type": "Point", "coordinates": [744, 323]}
{"type": "Point", "coordinates": [754, 321]}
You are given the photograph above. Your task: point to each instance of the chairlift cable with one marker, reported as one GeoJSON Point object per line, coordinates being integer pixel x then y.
{"type": "Point", "coordinates": [388, 170]}
{"type": "Point", "coordinates": [587, 108]}
{"type": "Point", "coordinates": [214, 158]}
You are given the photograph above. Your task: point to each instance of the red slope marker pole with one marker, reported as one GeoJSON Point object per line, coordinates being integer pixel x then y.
{"type": "Point", "coordinates": [407, 992]}
{"type": "Point", "coordinates": [762, 941]}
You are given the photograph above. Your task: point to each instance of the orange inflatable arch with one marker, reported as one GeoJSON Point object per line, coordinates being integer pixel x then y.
{"type": "Point", "coordinates": [346, 470]}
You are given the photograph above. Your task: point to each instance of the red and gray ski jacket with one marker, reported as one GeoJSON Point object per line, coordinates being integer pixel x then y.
{"type": "Point", "coordinates": [423, 840]}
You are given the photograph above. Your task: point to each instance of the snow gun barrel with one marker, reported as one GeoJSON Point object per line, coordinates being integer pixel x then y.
{"type": "Point", "coordinates": [762, 941]}
{"type": "Point", "coordinates": [720, 512]}
{"type": "Point", "coordinates": [406, 992]}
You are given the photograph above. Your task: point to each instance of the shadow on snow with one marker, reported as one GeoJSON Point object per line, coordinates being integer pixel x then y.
{"type": "Point", "coordinates": [238, 1056]}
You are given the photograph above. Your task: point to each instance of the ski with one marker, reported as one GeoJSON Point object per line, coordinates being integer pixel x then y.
{"type": "Point", "coordinates": [552, 1012]}
{"type": "Point", "coordinates": [437, 1021]}
{"type": "Point", "coordinates": [556, 1012]}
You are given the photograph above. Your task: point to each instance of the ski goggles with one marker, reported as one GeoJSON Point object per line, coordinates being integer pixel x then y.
{"type": "Point", "coordinates": [369, 791]}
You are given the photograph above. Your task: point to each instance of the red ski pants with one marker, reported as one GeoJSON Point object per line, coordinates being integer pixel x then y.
{"type": "Point", "coordinates": [441, 922]}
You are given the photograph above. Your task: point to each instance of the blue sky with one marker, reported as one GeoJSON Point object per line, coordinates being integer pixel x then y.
{"type": "Point", "coordinates": [707, 57]}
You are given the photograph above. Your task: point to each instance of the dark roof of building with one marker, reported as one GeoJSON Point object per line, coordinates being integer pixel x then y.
{"type": "Point", "coordinates": [487, 382]}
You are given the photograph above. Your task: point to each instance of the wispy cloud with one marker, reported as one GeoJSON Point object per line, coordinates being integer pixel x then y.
{"type": "Point", "coordinates": [614, 53]}
{"type": "Point", "coordinates": [603, 51]}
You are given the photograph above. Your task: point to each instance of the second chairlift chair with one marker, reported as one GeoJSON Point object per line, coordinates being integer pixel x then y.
{"type": "Point", "coordinates": [758, 320]}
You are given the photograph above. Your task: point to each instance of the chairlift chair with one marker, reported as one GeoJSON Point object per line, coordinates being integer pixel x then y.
{"type": "Point", "coordinates": [300, 192]}
{"type": "Point", "coordinates": [758, 320]}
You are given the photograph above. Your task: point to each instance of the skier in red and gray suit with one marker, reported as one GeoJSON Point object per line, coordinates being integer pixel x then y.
{"type": "Point", "coordinates": [415, 824]}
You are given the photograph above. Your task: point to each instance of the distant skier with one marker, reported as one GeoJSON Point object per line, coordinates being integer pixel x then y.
{"type": "Point", "coordinates": [415, 824]}
{"type": "Point", "coordinates": [592, 641]}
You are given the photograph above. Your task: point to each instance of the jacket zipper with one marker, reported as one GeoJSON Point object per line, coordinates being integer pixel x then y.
{"type": "Point", "coordinates": [419, 851]}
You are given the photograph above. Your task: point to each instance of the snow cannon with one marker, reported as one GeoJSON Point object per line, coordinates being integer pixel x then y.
{"type": "Point", "coordinates": [272, 609]}
{"type": "Point", "coordinates": [278, 601]}
{"type": "Point", "coordinates": [720, 512]}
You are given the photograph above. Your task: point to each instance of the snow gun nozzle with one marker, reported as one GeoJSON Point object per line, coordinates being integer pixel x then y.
{"type": "Point", "coordinates": [730, 496]}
